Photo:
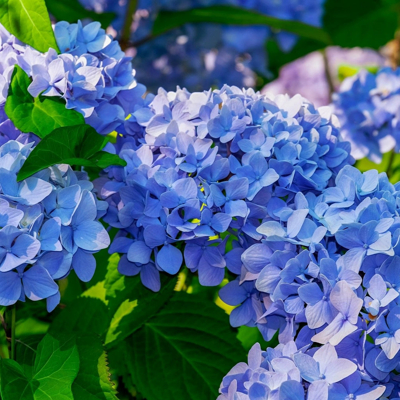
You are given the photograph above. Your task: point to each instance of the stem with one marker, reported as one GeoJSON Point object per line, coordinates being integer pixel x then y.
{"type": "Point", "coordinates": [13, 320]}
{"type": "Point", "coordinates": [328, 73]}
{"type": "Point", "coordinates": [390, 164]}
{"type": "Point", "coordinates": [126, 30]}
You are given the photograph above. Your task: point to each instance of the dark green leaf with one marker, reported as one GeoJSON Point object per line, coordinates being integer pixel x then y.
{"type": "Point", "coordinates": [167, 20]}
{"type": "Point", "coordinates": [93, 380]}
{"type": "Point", "coordinates": [14, 383]}
{"type": "Point", "coordinates": [184, 351]}
{"type": "Point", "coordinates": [26, 352]}
{"type": "Point", "coordinates": [72, 10]}
{"type": "Point", "coordinates": [131, 304]}
{"type": "Point", "coordinates": [73, 145]}
{"type": "Point", "coordinates": [88, 319]}
{"type": "Point", "coordinates": [84, 314]}
{"type": "Point", "coordinates": [40, 115]}
{"type": "Point", "coordinates": [29, 21]}
{"type": "Point", "coordinates": [364, 23]}
{"type": "Point", "coordinates": [55, 368]}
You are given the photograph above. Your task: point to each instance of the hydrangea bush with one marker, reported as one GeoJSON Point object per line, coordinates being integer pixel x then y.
{"type": "Point", "coordinates": [202, 167]}
{"type": "Point", "coordinates": [175, 208]}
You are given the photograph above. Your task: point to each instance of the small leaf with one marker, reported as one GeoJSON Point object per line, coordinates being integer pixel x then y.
{"type": "Point", "coordinates": [29, 21]}
{"type": "Point", "coordinates": [14, 384]}
{"type": "Point", "coordinates": [184, 351]}
{"type": "Point", "coordinates": [167, 20]}
{"type": "Point", "coordinates": [72, 10]}
{"type": "Point", "coordinates": [55, 368]}
{"type": "Point", "coordinates": [73, 145]}
{"type": "Point", "coordinates": [40, 115]}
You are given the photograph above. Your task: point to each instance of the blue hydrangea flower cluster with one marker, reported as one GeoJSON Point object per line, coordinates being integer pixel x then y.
{"type": "Point", "coordinates": [327, 272]}
{"type": "Point", "coordinates": [48, 227]}
{"type": "Point", "coordinates": [294, 372]}
{"type": "Point", "coordinates": [92, 75]}
{"type": "Point", "coordinates": [367, 106]}
{"type": "Point", "coordinates": [199, 56]}
{"type": "Point", "coordinates": [202, 167]}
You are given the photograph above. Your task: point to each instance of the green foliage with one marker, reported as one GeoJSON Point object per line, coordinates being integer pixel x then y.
{"type": "Point", "coordinates": [131, 304]}
{"type": "Point", "coordinates": [29, 21]}
{"type": "Point", "coordinates": [184, 351]}
{"type": "Point", "coordinates": [55, 367]}
{"type": "Point", "coordinates": [71, 11]}
{"type": "Point", "coordinates": [74, 145]}
{"type": "Point", "coordinates": [364, 23]}
{"type": "Point", "coordinates": [84, 314]}
{"type": "Point", "coordinates": [40, 115]}
{"type": "Point", "coordinates": [167, 20]}
{"type": "Point", "coordinates": [93, 380]}
{"type": "Point", "coordinates": [87, 320]}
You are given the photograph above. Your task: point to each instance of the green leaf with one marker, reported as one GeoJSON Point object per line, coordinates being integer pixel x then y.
{"type": "Point", "coordinates": [84, 314]}
{"type": "Point", "coordinates": [14, 384]}
{"type": "Point", "coordinates": [184, 351]}
{"type": "Point", "coordinates": [131, 305]}
{"type": "Point", "coordinates": [93, 380]}
{"type": "Point", "coordinates": [74, 145]}
{"type": "Point", "coordinates": [167, 20]}
{"type": "Point", "coordinates": [71, 11]}
{"type": "Point", "coordinates": [29, 21]}
{"type": "Point", "coordinates": [88, 319]}
{"type": "Point", "coordinates": [55, 368]}
{"type": "Point", "coordinates": [364, 23]}
{"type": "Point", "coordinates": [40, 115]}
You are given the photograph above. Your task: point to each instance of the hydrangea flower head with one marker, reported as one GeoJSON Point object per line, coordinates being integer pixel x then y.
{"type": "Point", "coordinates": [49, 227]}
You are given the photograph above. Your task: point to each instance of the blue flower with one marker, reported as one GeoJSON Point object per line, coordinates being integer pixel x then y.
{"type": "Point", "coordinates": [34, 283]}
{"type": "Point", "coordinates": [204, 256]}
{"type": "Point", "coordinates": [348, 306]}
{"type": "Point", "coordinates": [16, 248]}
{"type": "Point", "coordinates": [85, 232]}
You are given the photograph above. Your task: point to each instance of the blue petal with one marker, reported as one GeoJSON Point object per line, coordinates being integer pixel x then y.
{"type": "Point", "coordinates": [169, 259]}
{"type": "Point", "coordinates": [139, 252]}
{"type": "Point", "coordinates": [10, 288]}
{"type": "Point", "coordinates": [84, 265]}
{"type": "Point", "coordinates": [38, 283]}
{"type": "Point", "coordinates": [91, 235]}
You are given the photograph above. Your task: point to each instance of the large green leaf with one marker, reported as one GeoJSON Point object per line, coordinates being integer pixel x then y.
{"type": "Point", "coordinates": [29, 21]}
{"type": "Point", "coordinates": [184, 351]}
{"type": "Point", "coordinates": [72, 10]}
{"type": "Point", "coordinates": [40, 115]}
{"type": "Point", "coordinates": [364, 23]}
{"type": "Point", "coordinates": [84, 314]}
{"type": "Point", "coordinates": [131, 304]}
{"type": "Point", "coordinates": [74, 145]}
{"type": "Point", "coordinates": [88, 319]}
{"type": "Point", "coordinates": [167, 20]}
{"type": "Point", "coordinates": [55, 368]}
{"type": "Point", "coordinates": [93, 380]}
